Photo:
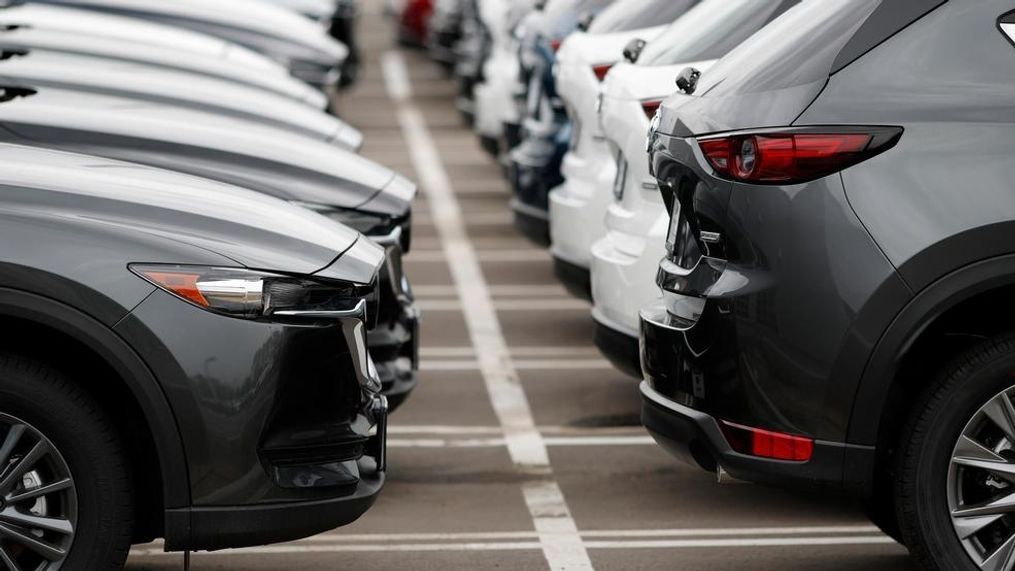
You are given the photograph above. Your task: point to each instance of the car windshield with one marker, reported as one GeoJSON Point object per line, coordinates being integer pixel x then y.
{"type": "Point", "coordinates": [797, 48]}
{"type": "Point", "coordinates": [709, 30]}
{"type": "Point", "coordinates": [625, 15]}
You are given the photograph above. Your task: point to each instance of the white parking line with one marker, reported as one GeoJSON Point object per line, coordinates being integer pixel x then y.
{"type": "Point", "coordinates": [444, 430]}
{"type": "Point", "coordinates": [550, 351]}
{"type": "Point", "coordinates": [558, 535]}
{"type": "Point", "coordinates": [499, 442]}
{"type": "Point", "coordinates": [562, 304]}
{"type": "Point", "coordinates": [495, 290]}
{"type": "Point", "coordinates": [531, 255]}
{"type": "Point", "coordinates": [521, 365]}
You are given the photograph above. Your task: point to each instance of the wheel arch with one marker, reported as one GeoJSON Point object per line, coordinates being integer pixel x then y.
{"type": "Point", "coordinates": [134, 383]}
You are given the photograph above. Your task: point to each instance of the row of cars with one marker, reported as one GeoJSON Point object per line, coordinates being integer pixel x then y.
{"type": "Point", "coordinates": [808, 260]}
{"type": "Point", "coordinates": [204, 321]}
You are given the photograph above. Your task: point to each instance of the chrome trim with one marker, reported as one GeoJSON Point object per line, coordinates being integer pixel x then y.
{"type": "Point", "coordinates": [358, 312]}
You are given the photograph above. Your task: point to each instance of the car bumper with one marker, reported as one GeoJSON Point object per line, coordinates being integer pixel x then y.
{"type": "Point", "coordinates": [576, 278]}
{"type": "Point", "coordinates": [623, 277]}
{"type": "Point", "coordinates": [578, 206]}
{"type": "Point", "coordinates": [394, 342]}
{"type": "Point", "coordinates": [619, 347]}
{"type": "Point", "coordinates": [694, 436]}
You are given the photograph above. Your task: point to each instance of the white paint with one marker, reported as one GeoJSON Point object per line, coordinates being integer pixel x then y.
{"type": "Point", "coordinates": [559, 539]}
{"type": "Point", "coordinates": [446, 430]}
{"type": "Point", "coordinates": [522, 365]}
{"type": "Point", "coordinates": [532, 255]}
{"type": "Point", "coordinates": [498, 442]}
{"type": "Point", "coordinates": [549, 351]}
{"type": "Point", "coordinates": [496, 290]}
{"type": "Point", "coordinates": [540, 305]}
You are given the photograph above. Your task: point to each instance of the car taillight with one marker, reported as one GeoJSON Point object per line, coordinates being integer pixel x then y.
{"type": "Point", "coordinates": [651, 107]}
{"type": "Point", "coordinates": [555, 45]}
{"type": "Point", "coordinates": [601, 70]}
{"type": "Point", "coordinates": [767, 444]}
{"type": "Point", "coordinates": [791, 156]}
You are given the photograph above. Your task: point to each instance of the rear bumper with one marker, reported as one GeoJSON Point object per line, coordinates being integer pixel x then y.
{"type": "Point", "coordinates": [618, 347]}
{"type": "Point", "coordinates": [576, 279]}
{"type": "Point", "coordinates": [694, 436]}
{"type": "Point", "coordinates": [532, 222]}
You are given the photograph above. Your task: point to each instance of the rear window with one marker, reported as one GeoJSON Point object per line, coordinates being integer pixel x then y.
{"type": "Point", "coordinates": [797, 48]}
{"type": "Point", "coordinates": [625, 15]}
{"type": "Point", "coordinates": [563, 15]}
{"type": "Point", "coordinates": [710, 30]}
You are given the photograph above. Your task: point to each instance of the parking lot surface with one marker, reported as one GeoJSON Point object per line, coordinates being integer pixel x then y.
{"type": "Point", "coordinates": [521, 448]}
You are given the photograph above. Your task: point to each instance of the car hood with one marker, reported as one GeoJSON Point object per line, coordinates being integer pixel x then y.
{"type": "Point", "coordinates": [629, 81]}
{"type": "Point", "coordinates": [260, 25]}
{"type": "Point", "coordinates": [316, 9]}
{"type": "Point", "coordinates": [87, 23]}
{"type": "Point", "coordinates": [582, 48]}
{"type": "Point", "coordinates": [50, 40]}
{"type": "Point", "coordinates": [173, 210]}
{"type": "Point", "coordinates": [159, 85]}
{"type": "Point", "coordinates": [259, 157]}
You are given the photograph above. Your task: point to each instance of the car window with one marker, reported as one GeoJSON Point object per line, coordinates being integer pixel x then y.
{"type": "Point", "coordinates": [710, 30]}
{"type": "Point", "coordinates": [797, 48]}
{"type": "Point", "coordinates": [625, 15]}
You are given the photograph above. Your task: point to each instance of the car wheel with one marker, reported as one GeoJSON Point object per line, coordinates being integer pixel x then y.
{"type": "Point", "coordinates": [955, 490]}
{"type": "Point", "coordinates": [65, 484]}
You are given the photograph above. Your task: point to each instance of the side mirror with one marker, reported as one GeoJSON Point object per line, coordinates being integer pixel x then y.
{"type": "Point", "coordinates": [687, 80]}
{"type": "Point", "coordinates": [633, 49]}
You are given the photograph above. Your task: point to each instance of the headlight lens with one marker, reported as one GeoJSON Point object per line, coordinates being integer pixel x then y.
{"type": "Point", "coordinates": [251, 294]}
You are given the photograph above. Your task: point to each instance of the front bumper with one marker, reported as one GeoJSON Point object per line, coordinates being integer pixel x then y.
{"type": "Point", "coordinates": [394, 342]}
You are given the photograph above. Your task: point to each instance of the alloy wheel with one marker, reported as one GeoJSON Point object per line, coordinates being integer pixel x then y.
{"type": "Point", "coordinates": [38, 501]}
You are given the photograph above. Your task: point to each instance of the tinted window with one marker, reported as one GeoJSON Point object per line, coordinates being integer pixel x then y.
{"type": "Point", "coordinates": [797, 48]}
{"type": "Point", "coordinates": [710, 30]}
{"type": "Point", "coordinates": [562, 15]}
{"type": "Point", "coordinates": [626, 15]}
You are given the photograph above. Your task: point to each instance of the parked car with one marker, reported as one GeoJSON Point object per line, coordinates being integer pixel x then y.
{"type": "Point", "coordinates": [166, 387]}
{"type": "Point", "coordinates": [339, 18]}
{"type": "Point", "coordinates": [836, 282]}
{"type": "Point", "coordinates": [633, 230]}
{"type": "Point", "coordinates": [577, 206]}
{"type": "Point", "coordinates": [471, 52]}
{"type": "Point", "coordinates": [495, 109]}
{"type": "Point", "coordinates": [412, 19]}
{"type": "Point", "coordinates": [141, 82]}
{"type": "Point", "coordinates": [339, 184]}
{"type": "Point", "coordinates": [46, 34]}
{"type": "Point", "coordinates": [544, 133]}
{"type": "Point", "coordinates": [304, 48]}
{"type": "Point", "coordinates": [444, 30]}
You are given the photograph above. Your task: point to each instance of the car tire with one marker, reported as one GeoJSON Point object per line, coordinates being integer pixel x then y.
{"type": "Point", "coordinates": [932, 465]}
{"type": "Point", "coordinates": [40, 408]}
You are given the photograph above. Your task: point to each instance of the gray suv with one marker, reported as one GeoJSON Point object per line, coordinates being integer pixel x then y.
{"type": "Point", "coordinates": [837, 294]}
{"type": "Point", "coordinates": [179, 358]}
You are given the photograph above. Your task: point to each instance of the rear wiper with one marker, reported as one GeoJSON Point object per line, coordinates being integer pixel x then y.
{"type": "Point", "coordinates": [687, 80]}
{"type": "Point", "coordinates": [8, 53]}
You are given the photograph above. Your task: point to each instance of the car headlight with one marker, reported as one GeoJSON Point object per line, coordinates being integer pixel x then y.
{"type": "Point", "coordinates": [250, 294]}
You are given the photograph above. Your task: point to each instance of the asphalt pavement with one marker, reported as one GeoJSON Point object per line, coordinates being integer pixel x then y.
{"type": "Point", "coordinates": [521, 448]}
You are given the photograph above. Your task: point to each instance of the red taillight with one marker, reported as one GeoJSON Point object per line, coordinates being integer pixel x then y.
{"type": "Point", "coordinates": [555, 45]}
{"type": "Point", "coordinates": [601, 70]}
{"type": "Point", "coordinates": [793, 157]}
{"type": "Point", "coordinates": [767, 444]}
{"type": "Point", "coordinates": [651, 107]}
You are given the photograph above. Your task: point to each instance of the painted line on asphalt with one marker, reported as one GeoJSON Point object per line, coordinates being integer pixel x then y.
{"type": "Point", "coordinates": [562, 441]}
{"type": "Point", "coordinates": [759, 542]}
{"type": "Point", "coordinates": [446, 430]}
{"type": "Point", "coordinates": [563, 304]}
{"type": "Point", "coordinates": [563, 351]}
{"type": "Point", "coordinates": [521, 365]}
{"type": "Point", "coordinates": [533, 255]}
{"type": "Point", "coordinates": [496, 290]}
{"type": "Point", "coordinates": [558, 534]}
